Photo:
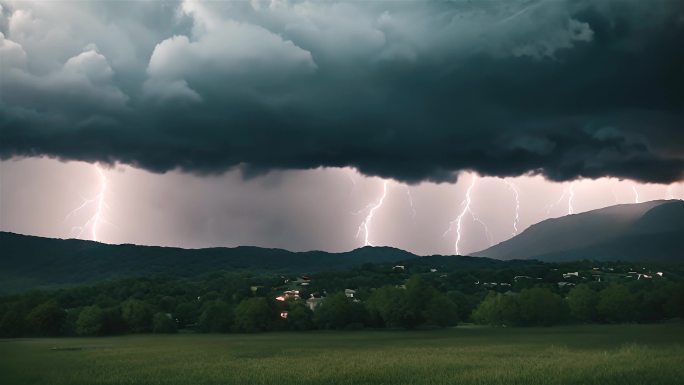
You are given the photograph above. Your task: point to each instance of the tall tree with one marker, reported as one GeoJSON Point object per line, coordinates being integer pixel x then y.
{"type": "Point", "coordinates": [89, 322]}
{"type": "Point", "coordinates": [582, 301]}
{"type": "Point", "coordinates": [137, 315]}
{"type": "Point", "coordinates": [46, 319]}
{"type": "Point", "coordinates": [616, 304]}
{"type": "Point", "coordinates": [217, 317]}
{"type": "Point", "coordinates": [253, 315]}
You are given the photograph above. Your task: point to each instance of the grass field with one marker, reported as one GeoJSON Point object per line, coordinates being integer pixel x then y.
{"type": "Point", "coordinates": [624, 354]}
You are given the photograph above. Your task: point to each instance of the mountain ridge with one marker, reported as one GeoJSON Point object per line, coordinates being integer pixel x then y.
{"type": "Point", "coordinates": [28, 261]}
{"type": "Point", "coordinates": [601, 234]}
{"type": "Point", "coordinates": [622, 232]}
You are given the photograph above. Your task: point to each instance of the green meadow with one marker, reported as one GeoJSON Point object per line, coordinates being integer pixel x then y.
{"type": "Point", "coordinates": [605, 354]}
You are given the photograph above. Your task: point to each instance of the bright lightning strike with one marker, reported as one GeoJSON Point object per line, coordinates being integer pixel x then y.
{"type": "Point", "coordinates": [571, 209]}
{"type": "Point", "coordinates": [98, 202]}
{"type": "Point", "coordinates": [556, 203]}
{"type": "Point", "coordinates": [516, 194]}
{"type": "Point", "coordinates": [459, 219]}
{"type": "Point", "coordinates": [636, 194]}
{"type": "Point", "coordinates": [365, 225]}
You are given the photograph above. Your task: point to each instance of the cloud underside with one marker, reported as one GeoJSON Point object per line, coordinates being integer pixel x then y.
{"type": "Point", "coordinates": [414, 91]}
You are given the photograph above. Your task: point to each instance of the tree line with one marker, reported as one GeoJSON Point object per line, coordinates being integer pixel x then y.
{"type": "Point", "coordinates": [235, 303]}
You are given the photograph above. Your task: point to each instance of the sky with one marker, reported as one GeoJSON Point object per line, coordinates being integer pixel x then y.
{"type": "Point", "coordinates": [282, 123]}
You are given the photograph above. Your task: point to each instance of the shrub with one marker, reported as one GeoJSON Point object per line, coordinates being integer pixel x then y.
{"type": "Point", "coordinates": [162, 323]}
{"type": "Point", "coordinates": [90, 321]}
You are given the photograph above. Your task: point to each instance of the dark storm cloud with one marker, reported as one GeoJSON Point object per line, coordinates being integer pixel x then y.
{"type": "Point", "coordinates": [411, 91]}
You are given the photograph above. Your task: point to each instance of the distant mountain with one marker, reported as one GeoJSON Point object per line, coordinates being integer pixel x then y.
{"type": "Point", "coordinates": [649, 231]}
{"type": "Point", "coordinates": [29, 262]}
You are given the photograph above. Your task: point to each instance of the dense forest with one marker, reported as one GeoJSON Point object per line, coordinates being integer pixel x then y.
{"type": "Point", "coordinates": [420, 293]}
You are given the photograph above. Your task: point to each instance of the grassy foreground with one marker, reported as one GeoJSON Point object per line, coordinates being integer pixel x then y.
{"type": "Point", "coordinates": [624, 354]}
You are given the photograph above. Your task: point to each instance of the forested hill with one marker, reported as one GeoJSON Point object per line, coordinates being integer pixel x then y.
{"type": "Point", "coordinates": [29, 262]}
{"type": "Point", "coordinates": [648, 232]}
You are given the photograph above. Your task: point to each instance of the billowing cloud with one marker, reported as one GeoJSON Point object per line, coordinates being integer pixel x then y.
{"type": "Point", "coordinates": [408, 90]}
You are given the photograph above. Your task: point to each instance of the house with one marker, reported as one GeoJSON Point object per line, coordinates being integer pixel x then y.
{"type": "Point", "coordinates": [517, 277]}
{"type": "Point", "coordinates": [568, 275]}
{"type": "Point", "coordinates": [314, 301]}
{"type": "Point", "coordinates": [288, 294]}
{"type": "Point", "coordinates": [283, 314]}
{"type": "Point", "coordinates": [399, 268]}
{"type": "Point", "coordinates": [349, 293]}
{"type": "Point", "coordinates": [564, 284]}
{"type": "Point", "coordinates": [433, 270]}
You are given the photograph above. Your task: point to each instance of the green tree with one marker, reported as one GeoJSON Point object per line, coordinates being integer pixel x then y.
{"type": "Point", "coordinates": [387, 306]}
{"type": "Point", "coordinates": [616, 304]}
{"type": "Point", "coordinates": [463, 304]}
{"type": "Point", "coordinates": [187, 313]}
{"type": "Point", "coordinates": [12, 323]}
{"type": "Point", "coordinates": [46, 319]}
{"type": "Point", "coordinates": [112, 321]}
{"type": "Point", "coordinates": [674, 306]}
{"type": "Point", "coordinates": [418, 304]}
{"type": "Point", "coordinates": [90, 321]}
{"type": "Point", "coordinates": [440, 311]}
{"type": "Point", "coordinates": [137, 315]}
{"type": "Point", "coordinates": [539, 306]}
{"type": "Point", "coordinates": [253, 315]}
{"type": "Point", "coordinates": [162, 323]}
{"type": "Point", "coordinates": [300, 317]}
{"type": "Point", "coordinates": [217, 317]}
{"type": "Point", "coordinates": [167, 304]}
{"type": "Point", "coordinates": [497, 310]}
{"type": "Point", "coordinates": [337, 312]}
{"type": "Point", "coordinates": [582, 301]}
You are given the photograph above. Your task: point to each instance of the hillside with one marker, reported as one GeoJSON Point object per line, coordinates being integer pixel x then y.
{"type": "Point", "coordinates": [649, 231]}
{"type": "Point", "coordinates": [28, 262]}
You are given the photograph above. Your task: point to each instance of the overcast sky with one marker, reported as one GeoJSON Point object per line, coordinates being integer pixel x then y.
{"type": "Point", "coordinates": [275, 123]}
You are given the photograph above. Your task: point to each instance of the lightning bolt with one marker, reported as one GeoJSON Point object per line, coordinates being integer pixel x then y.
{"type": "Point", "coordinates": [459, 219]}
{"type": "Point", "coordinates": [636, 194]}
{"type": "Point", "coordinates": [410, 200]}
{"type": "Point", "coordinates": [516, 194]}
{"type": "Point", "coordinates": [365, 225]}
{"type": "Point", "coordinates": [98, 203]}
{"type": "Point", "coordinates": [558, 202]}
{"type": "Point", "coordinates": [515, 15]}
{"type": "Point", "coordinates": [568, 192]}
{"type": "Point", "coordinates": [571, 210]}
